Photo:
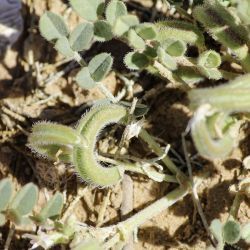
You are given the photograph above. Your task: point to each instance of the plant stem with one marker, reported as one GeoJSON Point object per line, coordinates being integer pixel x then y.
{"type": "Point", "coordinates": [236, 205]}
{"type": "Point", "coordinates": [129, 225]}
{"type": "Point", "coordinates": [145, 136]}
{"type": "Point", "coordinates": [9, 237]}
{"type": "Point", "coordinates": [136, 168]}
{"type": "Point", "coordinates": [154, 209]}
{"type": "Point", "coordinates": [106, 92]}
{"type": "Point", "coordinates": [79, 59]}
{"type": "Point", "coordinates": [166, 73]}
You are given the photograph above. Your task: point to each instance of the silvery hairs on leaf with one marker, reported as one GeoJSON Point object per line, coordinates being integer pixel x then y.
{"type": "Point", "coordinates": [11, 23]}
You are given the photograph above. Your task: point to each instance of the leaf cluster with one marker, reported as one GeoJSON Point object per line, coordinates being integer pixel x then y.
{"type": "Point", "coordinates": [18, 207]}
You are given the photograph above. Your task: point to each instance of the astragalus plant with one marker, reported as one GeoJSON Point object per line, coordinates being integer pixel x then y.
{"type": "Point", "coordinates": [163, 48]}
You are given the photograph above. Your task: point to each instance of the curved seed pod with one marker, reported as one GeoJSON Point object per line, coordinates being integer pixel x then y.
{"type": "Point", "coordinates": [54, 141]}
{"type": "Point", "coordinates": [85, 161]}
{"type": "Point", "coordinates": [211, 143]}
{"type": "Point", "coordinates": [221, 97]}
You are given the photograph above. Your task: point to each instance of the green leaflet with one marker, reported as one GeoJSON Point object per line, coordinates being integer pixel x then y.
{"type": "Point", "coordinates": [80, 38]}
{"type": "Point", "coordinates": [114, 10]}
{"type": "Point", "coordinates": [102, 31]}
{"type": "Point", "coordinates": [136, 61]}
{"type": "Point", "coordinates": [62, 46]}
{"type": "Point", "coordinates": [231, 232]}
{"type": "Point", "coordinates": [52, 26]}
{"type": "Point", "coordinates": [52, 209]}
{"type": "Point", "coordinates": [174, 47]}
{"type": "Point", "coordinates": [147, 31]}
{"type": "Point", "coordinates": [84, 79]}
{"type": "Point", "coordinates": [5, 193]}
{"type": "Point", "coordinates": [166, 59]}
{"type": "Point", "coordinates": [100, 66]}
{"type": "Point", "coordinates": [23, 203]}
{"type": "Point", "coordinates": [124, 23]}
{"type": "Point", "coordinates": [135, 41]}
{"type": "Point", "coordinates": [89, 10]}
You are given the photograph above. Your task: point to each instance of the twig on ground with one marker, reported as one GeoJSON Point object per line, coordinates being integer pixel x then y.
{"type": "Point", "coordinates": [195, 196]}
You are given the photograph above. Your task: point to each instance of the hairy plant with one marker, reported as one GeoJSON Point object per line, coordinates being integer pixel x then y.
{"type": "Point", "coordinates": [17, 208]}
{"type": "Point", "coordinates": [77, 146]}
{"type": "Point", "coordinates": [225, 28]}
{"type": "Point", "coordinates": [214, 126]}
{"type": "Point", "coordinates": [160, 48]}
{"type": "Point", "coordinates": [164, 48]}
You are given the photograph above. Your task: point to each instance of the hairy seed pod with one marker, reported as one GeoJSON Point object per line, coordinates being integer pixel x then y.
{"type": "Point", "coordinates": [84, 159]}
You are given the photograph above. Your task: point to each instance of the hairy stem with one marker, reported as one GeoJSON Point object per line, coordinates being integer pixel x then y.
{"type": "Point", "coordinates": [145, 136]}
